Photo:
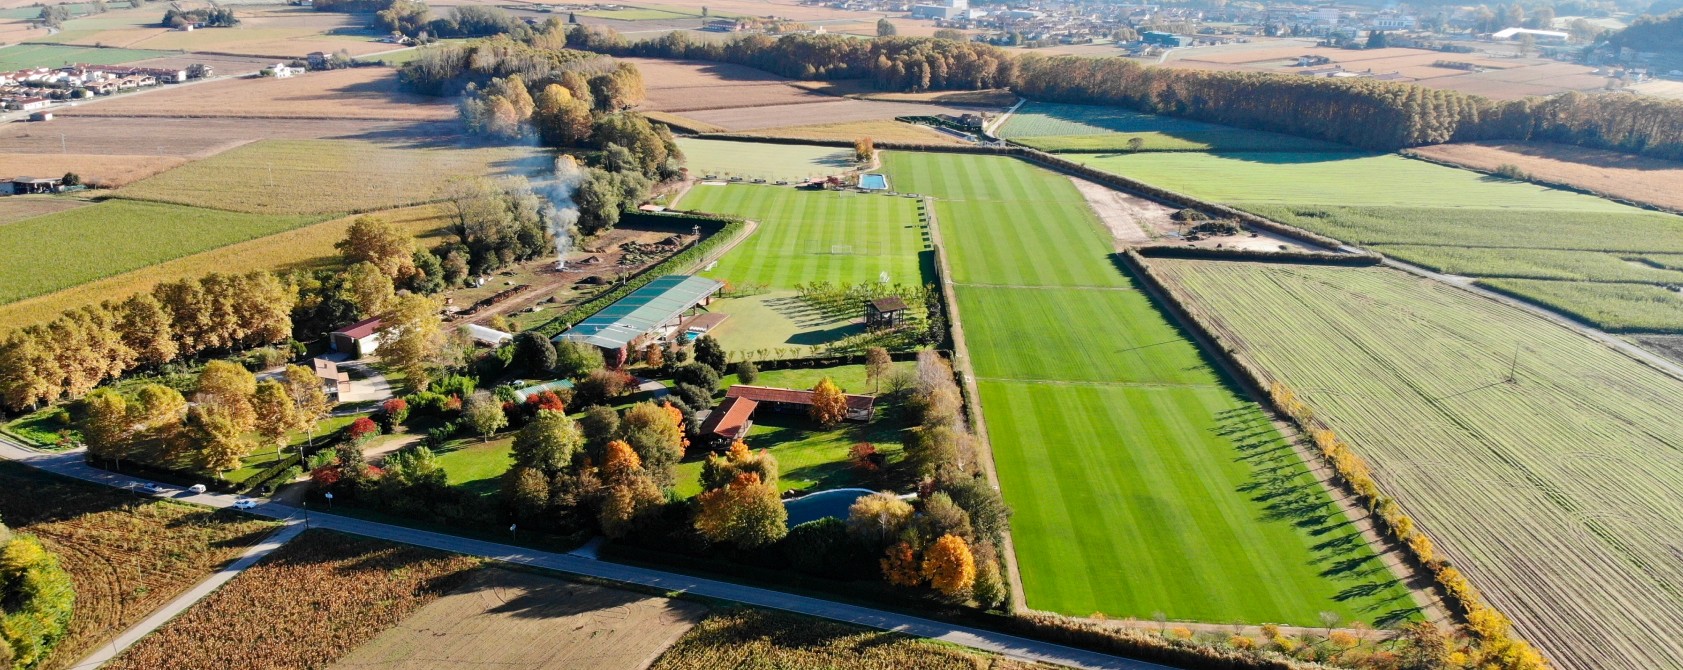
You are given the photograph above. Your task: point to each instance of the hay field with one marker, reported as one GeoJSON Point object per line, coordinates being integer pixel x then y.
{"type": "Point", "coordinates": [304, 606]}
{"type": "Point", "coordinates": [682, 86]}
{"type": "Point", "coordinates": [101, 170]}
{"type": "Point", "coordinates": [1634, 178]}
{"type": "Point", "coordinates": [521, 621]}
{"type": "Point", "coordinates": [881, 131]}
{"type": "Point", "coordinates": [61, 250]}
{"type": "Point", "coordinates": [1141, 480]}
{"type": "Point", "coordinates": [1545, 491]}
{"type": "Point", "coordinates": [748, 638]}
{"type": "Point", "coordinates": [327, 176]}
{"type": "Point", "coordinates": [816, 236]}
{"type": "Point", "coordinates": [824, 110]}
{"type": "Point", "coordinates": [750, 160]}
{"type": "Point", "coordinates": [308, 247]}
{"type": "Point", "coordinates": [369, 93]}
{"type": "Point", "coordinates": [127, 555]}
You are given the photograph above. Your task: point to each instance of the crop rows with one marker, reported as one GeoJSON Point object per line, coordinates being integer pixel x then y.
{"type": "Point", "coordinates": [1548, 488]}
{"type": "Point", "coordinates": [304, 606]}
{"type": "Point", "coordinates": [759, 638]}
{"type": "Point", "coordinates": [1587, 266]}
{"type": "Point", "coordinates": [1616, 307]}
{"type": "Point", "coordinates": [127, 556]}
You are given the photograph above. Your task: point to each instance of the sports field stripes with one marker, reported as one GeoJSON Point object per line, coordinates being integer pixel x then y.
{"type": "Point", "coordinates": [1141, 481]}
{"type": "Point", "coordinates": [817, 236]}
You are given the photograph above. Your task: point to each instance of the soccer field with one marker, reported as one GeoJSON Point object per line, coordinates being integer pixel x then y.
{"type": "Point", "coordinates": [1141, 481]}
{"type": "Point", "coordinates": [816, 236]}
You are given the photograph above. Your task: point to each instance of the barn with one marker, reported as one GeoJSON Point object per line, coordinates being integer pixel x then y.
{"type": "Point", "coordinates": [649, 314]}
{"type": "Point", "coordinates": [358, 339]}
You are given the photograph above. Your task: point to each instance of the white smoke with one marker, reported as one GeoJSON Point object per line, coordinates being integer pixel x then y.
{"type": "Point", "coordinates": [563, 213]}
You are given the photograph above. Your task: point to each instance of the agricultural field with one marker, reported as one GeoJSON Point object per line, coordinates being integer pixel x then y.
{"type": "Point", "coordinates": [126, 555]}
{"type": "Point", "coordinates": [503, 618]}
{"type": "Point", "coordinates": [339, 176]}
{"type": "Point", "coordinates": [688, 86]}
{"type": "Point", "coordinates": [816, 236]}
{"type": "Point", "coordinates": [18, 208]}
{"type": "Point", "coordinates": [307, 247]}
{"type": "Point", "coordinates": [745, 638]}
{"type": "Point", "coordinates": [194, 137]}
{"type": "Point", "coordinates": [1538, 460]}
{"type": "Point", "coordinates": [57, 251]}
{"type": "Point", "coordinates": [305, 606]}
{"type": "Point", "coordinates": [1172, 473]}
{"type": "Point", "coordinates": [366, 93]}
{"type": "Point", "coordinates": [1059, 127]}
{"type": "Point", "coordinates": [272, 31]}
{"type": "Point", "coordinates": [821, 110]}
{"type": "Point", "coordinates": [21, 56]}
{"type": "Point", "coordinates": [772, 162]}
{"type": "Point", "coordinates": [96, 170]}
{"type": "Point", "coordinates": [1634, 178]}
{"type": "Point", "coordinates": [1504, 78]}
{"type": "Point", "coordinates": [880, 131]}
{"type": "Point", "coordinates": [1449, 220]}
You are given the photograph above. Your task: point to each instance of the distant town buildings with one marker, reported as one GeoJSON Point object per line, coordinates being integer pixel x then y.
{"type": "Point", "coordinates": [35, 88]}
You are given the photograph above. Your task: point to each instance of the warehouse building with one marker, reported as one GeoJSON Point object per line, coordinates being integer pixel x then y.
{"type": "Point", "coordinates": [649, 314]}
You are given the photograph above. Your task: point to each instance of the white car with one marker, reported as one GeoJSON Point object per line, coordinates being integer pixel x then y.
{"type": "Point", "coordinates": [245, 503]}
{"type": "Point", "coordinates": [154, 488]}
{"type": "Point", "coordinates": [197, 488]}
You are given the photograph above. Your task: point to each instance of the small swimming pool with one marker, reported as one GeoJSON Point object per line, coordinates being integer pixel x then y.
{"type": "Point", "coordinates": [815, 506]}
{"type": "Point", "coordinates": [873, 182]}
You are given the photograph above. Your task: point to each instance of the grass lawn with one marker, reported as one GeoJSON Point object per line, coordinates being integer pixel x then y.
{"type": "Point", "coordinates": [475, 465]}
{"type": "Point", "coordinates": [339, 175]}
{"type": "Point", "coordinates": [21, 56]}
{"type": "Point", "coordinates": [1060, 127]}
{"type": "Point", "coordinates": [767, 324]}
{"type": "Point", "coordinates": [1141, 481]}
{"type": "Point", "coordinates": [750, 160]}
{"type": "Point", "coordinates": [60, 250]}
{"type": "Point", "coordinates": [817, 236]}
{"type": "Point", "coordinates": [851, 378]}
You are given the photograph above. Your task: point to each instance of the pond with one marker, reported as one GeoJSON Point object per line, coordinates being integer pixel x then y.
{"type": "Point", "coordinates": [815, 506]}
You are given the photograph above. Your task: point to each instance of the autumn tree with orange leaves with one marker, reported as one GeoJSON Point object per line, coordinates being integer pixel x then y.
{"type": "Point", "coordinates": [829, 407]}
{"type": "Point", "coordinates": [747, 513]}
{"type": "Point", "coordinates": [949, 566]}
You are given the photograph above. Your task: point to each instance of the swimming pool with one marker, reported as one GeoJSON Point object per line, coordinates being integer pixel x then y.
{"type": "Point", "coordinates": [873, 182]}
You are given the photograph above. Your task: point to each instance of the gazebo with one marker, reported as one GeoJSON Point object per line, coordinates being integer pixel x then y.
{"type": "Point", "coordinates": [885, 313]}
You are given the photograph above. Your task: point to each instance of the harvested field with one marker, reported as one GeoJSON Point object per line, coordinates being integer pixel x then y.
{"type": "Point", "coordinates": [1544, 488]}
{"type": "Point", "coordinates": [786, 8]}
{"type": "Point", "coordinates": [20, 56]}
{"type": "Point", "coordinates": [97, 170]}
{"type": "Point", "coordinates": [684, 86]}
{"type": "Point", "coordinates": [306, 248]}
{"type": "Point", "coordinates": [304, 606]}
{"type": "Point", "coordinates": [127, 555]}
{"type": "Point", "coordinates": [1660, 88]}
{"type": "Point", "coordinates": [752, 160]}
{"type": "Point", "coordinates": [1000, 99]}
{"type": "Point", "coordinates": [265, 30]}
{"type": "Point", "coordinates": [683, 123]}
{"type": "Point", "coordinates": [881, 131]}
{"type": "Point", "coordinates": [339, 175]}
{"type": "Point", "coordinates": [18, 208]}
{"type": "Point", "coordinates": [1154, 502]}
{"type": "Point", "coordinates": [761, 638]}
{"type": "Point", "coordinates": [195, 138]}
{"type": "Point", "coordinates": [366, 93]}
{"type": "Point", "coordinates": [1635, 178]}
{"type": "Point", "coordinates": [57, 251]}
{"type": "Point", "coordinates": [224, 65]}
{"type": "Point", "coordinates": [521, 621]}
{"type": "Point", "coordinates": [827, 110]}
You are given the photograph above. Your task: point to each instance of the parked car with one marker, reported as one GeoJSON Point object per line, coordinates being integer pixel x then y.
{"type": "Point", "coordinates": [245, 503]}
{"type": "Point", "coordinates": [197, 488]}
{"type": "Point", "coordinates": [150, 487]}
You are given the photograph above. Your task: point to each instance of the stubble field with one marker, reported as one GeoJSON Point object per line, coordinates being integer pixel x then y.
{"type": "Point", "coordinates": [1633, 178]}
{"type": "Point", "coordinates": [1545, 488]}
{"type": "Point", "coordinates": [365, 93]}
{"type": "Point", "coordinates": [1141, 480]}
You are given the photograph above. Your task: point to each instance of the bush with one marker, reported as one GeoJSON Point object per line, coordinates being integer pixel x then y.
{"type": "Point", "coordinates": [694, 397]}
{"type": "Point", "coordinates": [576, 359]}
{"type": "Point", "coordinates": [38, 595]}
{"type": "Point", "coordinates": [823, 548]}
{"type": "Point", "coordinates": [362, 430]}
{"type": "Point", "coordinates": [396, 411]}
{"type": "Point", "coordinates": [747, 372]}
{"type": "Point", "coordinates": [600, 387]}
{"type": "Point", "coordinates": [460, 386]}
{"type": "Point", "coordinates": [697, 374]}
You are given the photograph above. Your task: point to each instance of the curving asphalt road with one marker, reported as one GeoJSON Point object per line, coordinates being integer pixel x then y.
{"type": "Point", "coordinates": [70, 464]}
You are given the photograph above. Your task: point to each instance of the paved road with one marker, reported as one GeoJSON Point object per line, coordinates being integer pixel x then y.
{"type": "Point", "coordinates": [70, 464]}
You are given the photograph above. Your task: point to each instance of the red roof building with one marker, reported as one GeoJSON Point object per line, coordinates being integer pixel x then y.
{"type": "Point", "coordinates": [859, 407]}
{"type": "Point", "coordinates": [358, 339]}
{"type": "Point", "coordinates": [731, 420]}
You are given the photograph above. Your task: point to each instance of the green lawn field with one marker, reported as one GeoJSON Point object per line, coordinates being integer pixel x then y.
{"type": "Point", "coordinates": [475, 465]}
{"type": "Point", "coordinates": [1141, 481]}
{"type": "Point", "coordinates": [64, 249]}
{"type": "Point", "coordinates": [20, 56]}
{"type": "Point", "coordinates": [816, 236]}
{"type": "Point", "coordinates": [749, 160]}
{"type": "Point", "coordinates": [1059, 127]}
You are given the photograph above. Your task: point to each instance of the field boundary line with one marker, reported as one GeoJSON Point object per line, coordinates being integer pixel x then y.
{"type": "Point", "coordinates": [1052, 287]}
{"type": "Point", "coordinates": [967, 375]}
{"type": "Point", "coordinates": [1077, 382]}
{"type": "Point", "coordinates": [993, 128]}
{"type": "Point", "coordinates": [111, 650]}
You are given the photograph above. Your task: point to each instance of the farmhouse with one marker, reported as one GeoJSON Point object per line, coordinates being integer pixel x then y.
{"type": "Point", "coordinates": [735, 415]}
{"type": "Point", "coordinates": [358, 339]}
{"type": "Point", "coordinates": [650, 313]}
{"type": "Point", "coordinates": [334, 381]}
{"type": "Point", "coordinates": [27, 185]}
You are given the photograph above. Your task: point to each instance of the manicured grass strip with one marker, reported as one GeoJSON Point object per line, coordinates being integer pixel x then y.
{"type": "Point", "coordinates": [1076, 335]}
{"type": "Point", "coordinates": [57, 251]}
{"type": "Point", "coordinates": [816, 236]}
{"type": "Point", "coordinates": [1131, 501]}
{"type": "Point", "coordinates": [1337, 178]}
{"type": "Point", "coordinates": [792, 162]}
{"type": "Point", "coordinates": [1006, 222]}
